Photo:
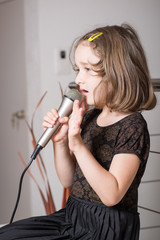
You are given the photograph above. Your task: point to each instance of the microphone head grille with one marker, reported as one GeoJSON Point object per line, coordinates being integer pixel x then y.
{"type": "Point", "coordinates": [74, 94]}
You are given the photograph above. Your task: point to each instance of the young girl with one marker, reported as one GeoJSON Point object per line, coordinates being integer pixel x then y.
{"type": "Point", "coordinates": [100, 154]}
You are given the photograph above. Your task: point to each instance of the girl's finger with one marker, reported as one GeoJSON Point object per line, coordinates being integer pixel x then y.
{"type": "Point", "coordinates": [63, 120]}
{"type": "Point", "coordinates": [53, 115]}
{"type": "Point", "coordinates": [54, 112]}
{"type": "Point", "coordinates": [49, 120]}
{"type": "Point", "coordinates": [84, 105]}
{"type": "Point", "coordinates": [46, 125]}
{"type": "Point", "coordinates": [76, 106]}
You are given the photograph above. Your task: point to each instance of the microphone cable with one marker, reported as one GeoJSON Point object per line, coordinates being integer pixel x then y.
{"type": "Point", "coordinates": [35, 153]}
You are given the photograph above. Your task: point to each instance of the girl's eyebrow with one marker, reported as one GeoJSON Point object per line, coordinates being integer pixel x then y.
{"type": "Point", "coordinates": [83, 63]}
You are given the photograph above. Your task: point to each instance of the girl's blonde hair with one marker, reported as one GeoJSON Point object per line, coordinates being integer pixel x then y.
{"type": "Point", "coordinates": [126, 85]}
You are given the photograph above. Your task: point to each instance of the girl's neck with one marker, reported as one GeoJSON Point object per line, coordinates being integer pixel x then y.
{"type": "Point", "coordinates": [107, 117]}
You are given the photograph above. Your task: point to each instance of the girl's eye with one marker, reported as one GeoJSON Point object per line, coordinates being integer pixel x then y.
{"type": "Point", "coordinates": [75, 69]}
{"type": "Point", "coordinates": [87, 69]}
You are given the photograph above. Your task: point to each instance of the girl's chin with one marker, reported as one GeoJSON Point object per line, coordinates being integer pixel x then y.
{"type": "Point", "coordinates": [89, 102]}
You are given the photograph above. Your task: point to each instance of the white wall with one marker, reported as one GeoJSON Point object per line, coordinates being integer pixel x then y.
{"type": "Point", "coordinates": [54, 24]}
{"type": "Point", "coordinates": [13, 98]}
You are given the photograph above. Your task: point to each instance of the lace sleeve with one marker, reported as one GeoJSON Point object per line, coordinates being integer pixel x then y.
{"type": "Point", "coordinates": [134, 138]}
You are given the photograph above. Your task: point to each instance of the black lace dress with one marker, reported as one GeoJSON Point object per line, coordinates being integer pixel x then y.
{"type": "Point", "coordinates": [85, 216]}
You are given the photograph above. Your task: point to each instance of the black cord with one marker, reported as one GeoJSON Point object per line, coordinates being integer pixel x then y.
{"type": "Point", "coordinates": [34, 155]}
{"type": "Point", "coordinates": [19, 190]}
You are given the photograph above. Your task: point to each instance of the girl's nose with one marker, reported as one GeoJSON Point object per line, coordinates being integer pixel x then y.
{"type": "Point", "coordinates": [79, 78]}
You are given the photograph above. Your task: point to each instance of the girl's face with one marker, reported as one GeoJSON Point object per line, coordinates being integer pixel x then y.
{"type": "Point", "coordinates": [87, 78]}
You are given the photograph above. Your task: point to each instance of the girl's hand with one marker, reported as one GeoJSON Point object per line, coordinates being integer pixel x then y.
{"type": "Point", "coordinates": [50, 119]}
{"type": "Point", "coordinates": [74, 126]}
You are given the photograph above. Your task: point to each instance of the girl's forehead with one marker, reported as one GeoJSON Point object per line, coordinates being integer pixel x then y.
{"type": "Point", "coordinates": [85, 53]}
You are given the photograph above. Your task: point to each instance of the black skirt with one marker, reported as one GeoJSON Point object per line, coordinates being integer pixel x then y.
{"type": "Point", "coordinates": [79, 220]}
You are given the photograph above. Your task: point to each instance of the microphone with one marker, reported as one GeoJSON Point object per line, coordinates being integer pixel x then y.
{"type": "Point", "coordinates": [64, 110]}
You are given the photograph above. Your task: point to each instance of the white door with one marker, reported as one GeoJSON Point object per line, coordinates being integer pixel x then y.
{"type": "Point", "coordinates": [12, 99]}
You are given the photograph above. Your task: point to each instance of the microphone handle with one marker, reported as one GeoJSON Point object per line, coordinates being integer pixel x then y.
{"type": "Point", "coordinates": [65, 109]}
{"type": "Point", "coordinates": [48, 133]}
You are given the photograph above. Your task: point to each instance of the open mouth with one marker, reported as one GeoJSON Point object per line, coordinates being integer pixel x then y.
{"type": "Point", "coordinates": [84, 92]}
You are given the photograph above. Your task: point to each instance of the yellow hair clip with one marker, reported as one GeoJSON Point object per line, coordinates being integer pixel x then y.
{"type": "Point", "coordinates": [95, 36]}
